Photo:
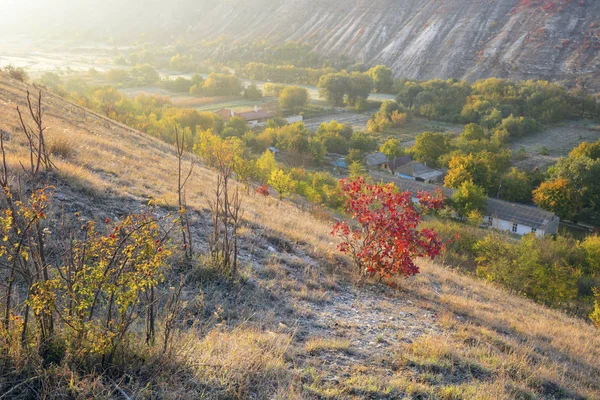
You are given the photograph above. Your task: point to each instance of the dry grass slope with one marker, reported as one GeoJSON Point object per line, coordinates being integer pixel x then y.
{"type": "Point", "coordinates": [301, 328]}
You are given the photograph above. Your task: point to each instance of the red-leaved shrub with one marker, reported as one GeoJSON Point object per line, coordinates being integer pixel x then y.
{"type": "Point", "coordinates": [386, 239]}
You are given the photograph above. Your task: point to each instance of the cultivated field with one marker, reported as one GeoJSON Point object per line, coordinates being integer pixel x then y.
{"type": "Point", "coordinates": [545, 147]}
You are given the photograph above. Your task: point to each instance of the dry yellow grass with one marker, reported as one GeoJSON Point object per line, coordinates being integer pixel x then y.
{"type": "Point", "coordinates": [315, 345]}
{"type": "Point", "coordinates": [486, 343]}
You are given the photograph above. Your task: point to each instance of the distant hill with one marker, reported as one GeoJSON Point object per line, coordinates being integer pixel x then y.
{"type": "Point", "coordinates": [521, 39]}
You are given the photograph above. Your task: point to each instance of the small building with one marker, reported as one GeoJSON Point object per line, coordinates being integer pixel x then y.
{"type": "Point", "coordinates": [376, 160]}
{"type": "Point", "coordinates": [273, 150]}
{"type": "Point", "coordinates": [294, 118]}
{"type": "Point", "coordinates": [254, 118]}
{"type": "Point", "coordinates": [519, 219]}
{"type": "Point", "coordinates": [420, 172]}
{"type": "Point", "coordinates": [340, 163]}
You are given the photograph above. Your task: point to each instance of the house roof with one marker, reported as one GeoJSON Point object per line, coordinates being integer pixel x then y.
{"type": "Point", "coordinates": [256, 115]}
{"type": "Point", "coordinates": [225, 114]}
{"type": "Point", "coordinates": [341, 163]}
{"type": "Point", "coordinates": [376, 159]}
{"type": "Point", "coordinates": [398, 162]}
{"type": "Point", "coordinates": [512, 212]}
{"type": "Point", "coordinates": [418, 170]}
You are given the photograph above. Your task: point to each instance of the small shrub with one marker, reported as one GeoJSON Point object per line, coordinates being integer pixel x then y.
{"type": "Point", "coordinates": [17, 73]}
{"type": "Point", "coordinates": [62, 147]}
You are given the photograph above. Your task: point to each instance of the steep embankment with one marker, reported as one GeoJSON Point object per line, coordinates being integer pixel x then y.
{"type": "Point", "coordinates": [295, 327]}
{"type": "Point", "coordinates": [520, 39]}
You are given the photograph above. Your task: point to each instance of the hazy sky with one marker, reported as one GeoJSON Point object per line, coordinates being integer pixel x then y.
{"type": "Point", "coordinates": [23, 15]}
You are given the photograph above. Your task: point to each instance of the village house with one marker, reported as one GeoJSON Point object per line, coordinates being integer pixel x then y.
{"type": "Point", "coordinates": [517, 218]}
{"type": "Point", "coordinates": [254, 118]}
{"type": "Point", "coordinates": [405, 167]}
{"type": "Point", "coordinates": [376, 160]}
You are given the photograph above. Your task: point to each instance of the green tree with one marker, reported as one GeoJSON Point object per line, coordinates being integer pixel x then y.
{"type": "Point", "coordinates": [392, 149]}
{"type": "Point", "coordinates": [430, 146]}
{"type": "Point", "coordinates": [360, 86]}
{"type": "Point", "coordinates": [363, 141]}
{"type": "Point", "coordinates": [293, 98]}
{"type": "Point", "coordinates": [252, 92]}
{"type": "Point", "coordinates": [144, 75]}
{"type": "Point", "coordinates": [317, 150]}
{"type": "Point", "coordinates": [333, 88]}
{"type": "Point", "coordinates": [236, 126]}
{"type": "Point", "coordinates": [469, 197]}
{"type": "Point", "coordinates": [516, 186]}
{"type": "Point", "coordinates": [383, 78]}
{"type": "Point", "coordinates": [356, 169]}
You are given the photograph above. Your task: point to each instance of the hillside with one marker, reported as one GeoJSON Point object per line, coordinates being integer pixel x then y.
{"type": "Point", "coordinates": [298, 325]}
{"type": "Point", "coordinates": [521, 39]}
{"type": "Point", "coordinates": [557, 40]}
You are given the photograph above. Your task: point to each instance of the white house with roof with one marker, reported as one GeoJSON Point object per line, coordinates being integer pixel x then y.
{"type": "Point", "coordinates": [517, 218]}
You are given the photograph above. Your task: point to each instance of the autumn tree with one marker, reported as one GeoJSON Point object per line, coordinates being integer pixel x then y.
{"type": "Point", "coordinates": [265, 165]}
{"type": "Point", "coordinates": [558, 196]}
{"type": "Point", "coordinates": [383, 239]}
{"type": "Point", "coordinates": [392, 149]}
{"type": "Point", "coordinates": [283, 183]}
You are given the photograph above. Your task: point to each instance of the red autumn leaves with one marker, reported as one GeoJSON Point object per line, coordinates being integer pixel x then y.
{"type": "Point", "coordinates": [386, 238]}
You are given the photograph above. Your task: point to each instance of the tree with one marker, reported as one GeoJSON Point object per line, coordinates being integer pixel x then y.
{"type": "Point", "coordinates": [363, 142]}
{"type": "Point", "coordinates": [359, 89]}
{"type": "Point", "coordinates": [221, 85]}
{"type": "Point", "coordinates": [392, 149]}
{"type": "Point", "coordinates": [383, 78]}
{"type": "Point", "coordinates": [293, 98]}
{"type": "Point", "coordinates": [265, 166]}
{"type": "Point", "coordinates": [472, 132]}
{"type": "Point", "coordinates": [283, 183]}
{"type": "Point", "coordinates": [582, 173]}
{"type": "Point", "coordinates": [585, 149]}
{"type": "Point", "coordinates": [387, 239]}
{"type": "Point", "coordinates": [317, 150]}
{"type": "Point", "coordinates": [252, 93]}
{"type": "Point", "coordinates": [468, 168]}
{"type": "Point", "coordinates": [558, 196]}
{"type": "Point", "coordinates": [144, 75]}
{"type": "Point", "coordinates": [531, 267]}
{"type": "Point", "coordinates": [333, 88]}
{"type": "Point", "coordinates": [237, 127]}
{"type": "Point", "coordinates": [468, 198]}
{"type": "Point", "coordinates": [430, 146]}
{"type": "Point", "coordinates": [355, 169]}
{"type": "Point", "coordinates": [516, 186]}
